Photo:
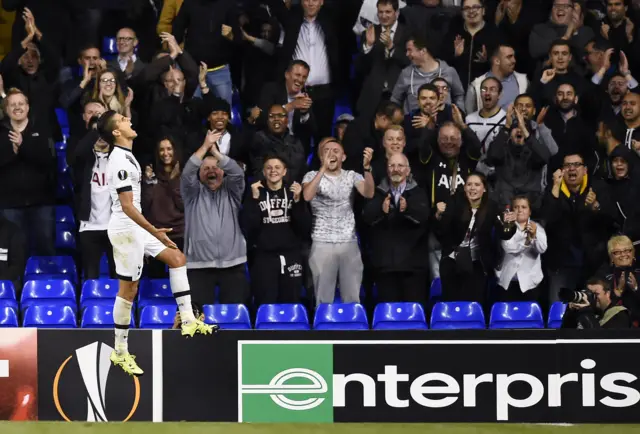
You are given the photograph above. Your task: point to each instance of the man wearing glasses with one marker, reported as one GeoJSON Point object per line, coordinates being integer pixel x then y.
{"type": "Point", "coordinates": [579, 220]}
{"type": "Point", "coordinates": [398, 215]}
{"type": "Point", "coordinates": [127, 61]}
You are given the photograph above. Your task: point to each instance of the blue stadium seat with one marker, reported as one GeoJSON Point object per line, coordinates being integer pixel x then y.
{"type": "Point", "coordinates": [227, 316]}
{"type": "Point", "coordinates": [435, 293]}
{"type": "Point", "coordinates": [399, 316]}
{"type": "Point", "coordinates": [236, 116]}
{"type": "Point", "coordinates": [341, 316]}
{"type": "Point", "coordinates": [65, 238]}
{"type": "Point", "coordinates": [61, 147]}
{"type": "Point", "coordinates": [49, 292]}
{"type": "Point", "coordinates": [99, 291]}
{"type": "Point", "coordinates": [61, 159]}
{"type": "Point", "coordinates": [555, 315]}
{"type": "Point", "coordinates": [8, 316]}
{"type": "Point", "coordinates": [155, 292]}
{"type": "Point", "coordinates": [157, 317]}
{"type": "Point", "coordinates": [51, 267]}
{"type": "Point", "coordinates": [109, 46]}
{"type": "Point", "coordinates": [104, 266]}
{"type": "Point", "coordinates": [457, 315]}
{"type": "Point", "coordinates": [64, 186]}
{"type": "Point", "coordinates": [282, 317]}
{"type": "Point", "coordinates": [7, 290]}
{"type": "Point", "coordinates": [64, 214]}
{"type": "Point", "coordinates": [516, 315]}
{"type": "Point", "coordinates": [99, 316]}
{"type": "Point", "coordinates": [63, 119]}
{"type": "Point", "coordinates": [49, 316]}
{"type": "Point", "coordinates": [8, 302]}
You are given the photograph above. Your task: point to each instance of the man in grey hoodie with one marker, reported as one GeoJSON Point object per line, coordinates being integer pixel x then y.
{"type": "Point", "coordinates": [212, 188]}
{"type": "Point", "coordinates": [424, 69]}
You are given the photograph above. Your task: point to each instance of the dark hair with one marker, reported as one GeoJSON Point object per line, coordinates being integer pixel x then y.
{"type": "Point", "coordinates": [520, 197]}
{"type": "Point", "coordinates": [571, 152]}
{"type": "Point", "coordinates": [441, 79]}
{"type": "Point", "coordinates": [88, 47]}
{"type": "Point", "coordinates": [394, 4]}
{"type": "Point", "coordinates": [94, 101]}
{"type": "Point", "coordinates": [431, 87]}
{"type": "Point", "coordinates": [482, 177]}
{"type": "Point", "coordinates": [496, 50]}
{"type": "Point", "coordinates": [272, 156]}
{"type": "Point", "coordinates": [420, 43]}
{"type": "Point", "coordinates": [559, 42]}
{"type": "Point", "coordinates": [479, 1]}
{"type": "Point", "coordinates": [524, 95]}
{"type": "Point", "coordinates": [175, 144]}
{"type": "Point", "coordinates": [298, 62]}
{"type": "Point", "coordinates": [598, 281]}
{"type": "Point", "coordinates": [106, 126]}
{"type": "Point", "coordinates": [494, 79]}
{"type": "Point", "coordinates": [388, 109]}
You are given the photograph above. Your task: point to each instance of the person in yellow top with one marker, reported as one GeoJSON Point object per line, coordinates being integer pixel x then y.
{"type": "Point", "coordinates": [169, 13]}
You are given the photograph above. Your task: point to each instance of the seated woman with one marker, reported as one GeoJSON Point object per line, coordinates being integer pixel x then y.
{"type": "Point", "coordinates": [520, 271]}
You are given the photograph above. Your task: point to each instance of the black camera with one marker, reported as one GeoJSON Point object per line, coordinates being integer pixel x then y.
{"type": "Point", "coordinates": [583, 296]}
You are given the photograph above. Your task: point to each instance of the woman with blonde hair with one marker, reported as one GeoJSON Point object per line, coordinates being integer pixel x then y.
{"type": "Point", "coordinates": [108, 90]}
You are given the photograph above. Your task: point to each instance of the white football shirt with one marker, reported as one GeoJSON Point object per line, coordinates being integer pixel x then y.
{"type": "Point", "coordinates": [123, 174]}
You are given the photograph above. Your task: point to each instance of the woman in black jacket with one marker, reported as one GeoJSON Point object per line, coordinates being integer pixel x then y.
{"type": "Point", "coordinates": [469, 227]}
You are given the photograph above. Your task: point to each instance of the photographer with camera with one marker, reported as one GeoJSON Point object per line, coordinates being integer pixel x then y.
{"type": "Point", "coordinates": [594, 307]}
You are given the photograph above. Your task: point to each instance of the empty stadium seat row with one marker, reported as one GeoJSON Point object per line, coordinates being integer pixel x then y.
{"type": "Point", "coordinates": [387, 316]}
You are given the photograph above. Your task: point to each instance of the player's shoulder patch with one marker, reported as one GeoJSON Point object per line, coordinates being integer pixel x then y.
{"type": "Point", "coordinates": [122, 175]}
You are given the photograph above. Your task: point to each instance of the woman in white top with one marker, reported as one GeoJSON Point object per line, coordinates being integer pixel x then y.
{"type": "Point", "coordinates": [520, 271]}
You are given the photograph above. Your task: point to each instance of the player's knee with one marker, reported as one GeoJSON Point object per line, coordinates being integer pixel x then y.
{"type": "Point", "coordinates": [178, 260]}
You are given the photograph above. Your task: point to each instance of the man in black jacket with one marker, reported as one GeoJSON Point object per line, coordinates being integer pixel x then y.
{"type": "Point", "coordinates": [27, 174]}
{"type": "Point", "coordinates": [579, 219]}
{"type": "Point", "coordinates": [383, 57]}
{"type": "Point", "coordinates": [88, 161]}
{"type": "Point", "coordinates": [398, 216]}
{"type": "Point", "coordinates": [277, 221]}
{"type": "Point", "coordinates": [291, 95]}
{"type": "Point", "coordinates": [33, 67]}
{"type": "Point", "coordinates": [311, 35]}
{"type": "Point", "coordinates": [212, 30]}
{"type": "Point", "coordinates": [278, 141]}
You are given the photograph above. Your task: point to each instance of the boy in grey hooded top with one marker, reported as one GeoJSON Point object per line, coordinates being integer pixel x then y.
{"type": "Point", "coordinates": [424, 69]}
{"type": "Point", "coordinates": [212, 189]}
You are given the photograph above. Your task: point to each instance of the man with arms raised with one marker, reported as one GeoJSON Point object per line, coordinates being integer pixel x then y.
{"type": "Point", "coordinates": [133, 237]}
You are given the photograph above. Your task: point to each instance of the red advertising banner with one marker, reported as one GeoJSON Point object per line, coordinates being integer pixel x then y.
{"type": "Point", "coordinates": [18, 374]}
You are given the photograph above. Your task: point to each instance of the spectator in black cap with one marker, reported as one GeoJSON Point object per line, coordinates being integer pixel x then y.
{"type": "Point", "coordinates": [342, 122]}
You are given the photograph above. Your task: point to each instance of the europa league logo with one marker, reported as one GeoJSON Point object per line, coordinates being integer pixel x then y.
{"type": "Point", "coordinates": [94, 364]}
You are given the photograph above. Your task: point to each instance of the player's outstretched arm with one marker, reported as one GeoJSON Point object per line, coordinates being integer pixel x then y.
{"type": "Point", "coordinates": [126, 201]}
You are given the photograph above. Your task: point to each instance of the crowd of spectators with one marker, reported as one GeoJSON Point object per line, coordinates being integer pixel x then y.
{"type": "Point", "coordinates": [493, 144]}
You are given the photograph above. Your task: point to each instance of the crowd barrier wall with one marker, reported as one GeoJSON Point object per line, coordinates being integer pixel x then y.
{"type": "Point", "coordinates": [536, 376]}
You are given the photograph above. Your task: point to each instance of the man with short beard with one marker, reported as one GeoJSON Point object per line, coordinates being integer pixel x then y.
{"type": "Point", "coordinates": [277, 221]}
{"type": "Point", "coordinates": [334, 249]}
{"type": "Point", "coordinates": [627, 130]}
{"type": "Point", "coordinates": [518, 158]}
{"type": "Point", "coordinates": [278, 141]}
{"type": "Point", "coordinates": [568, 128]}
{"type": "Point", "coordinates": [619, 29]}
{"type": "Point", "coordinates": [212, 186]}
{"type": "Point", "coordinates": [558, 73]}
{"type": "Point", "coordinates": [398, 216]}
{"type": "Point", "coordinates": [428, 111]}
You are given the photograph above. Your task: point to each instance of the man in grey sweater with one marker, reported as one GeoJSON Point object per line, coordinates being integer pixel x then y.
{"type": "Point", "coordinates": [212, 188]}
